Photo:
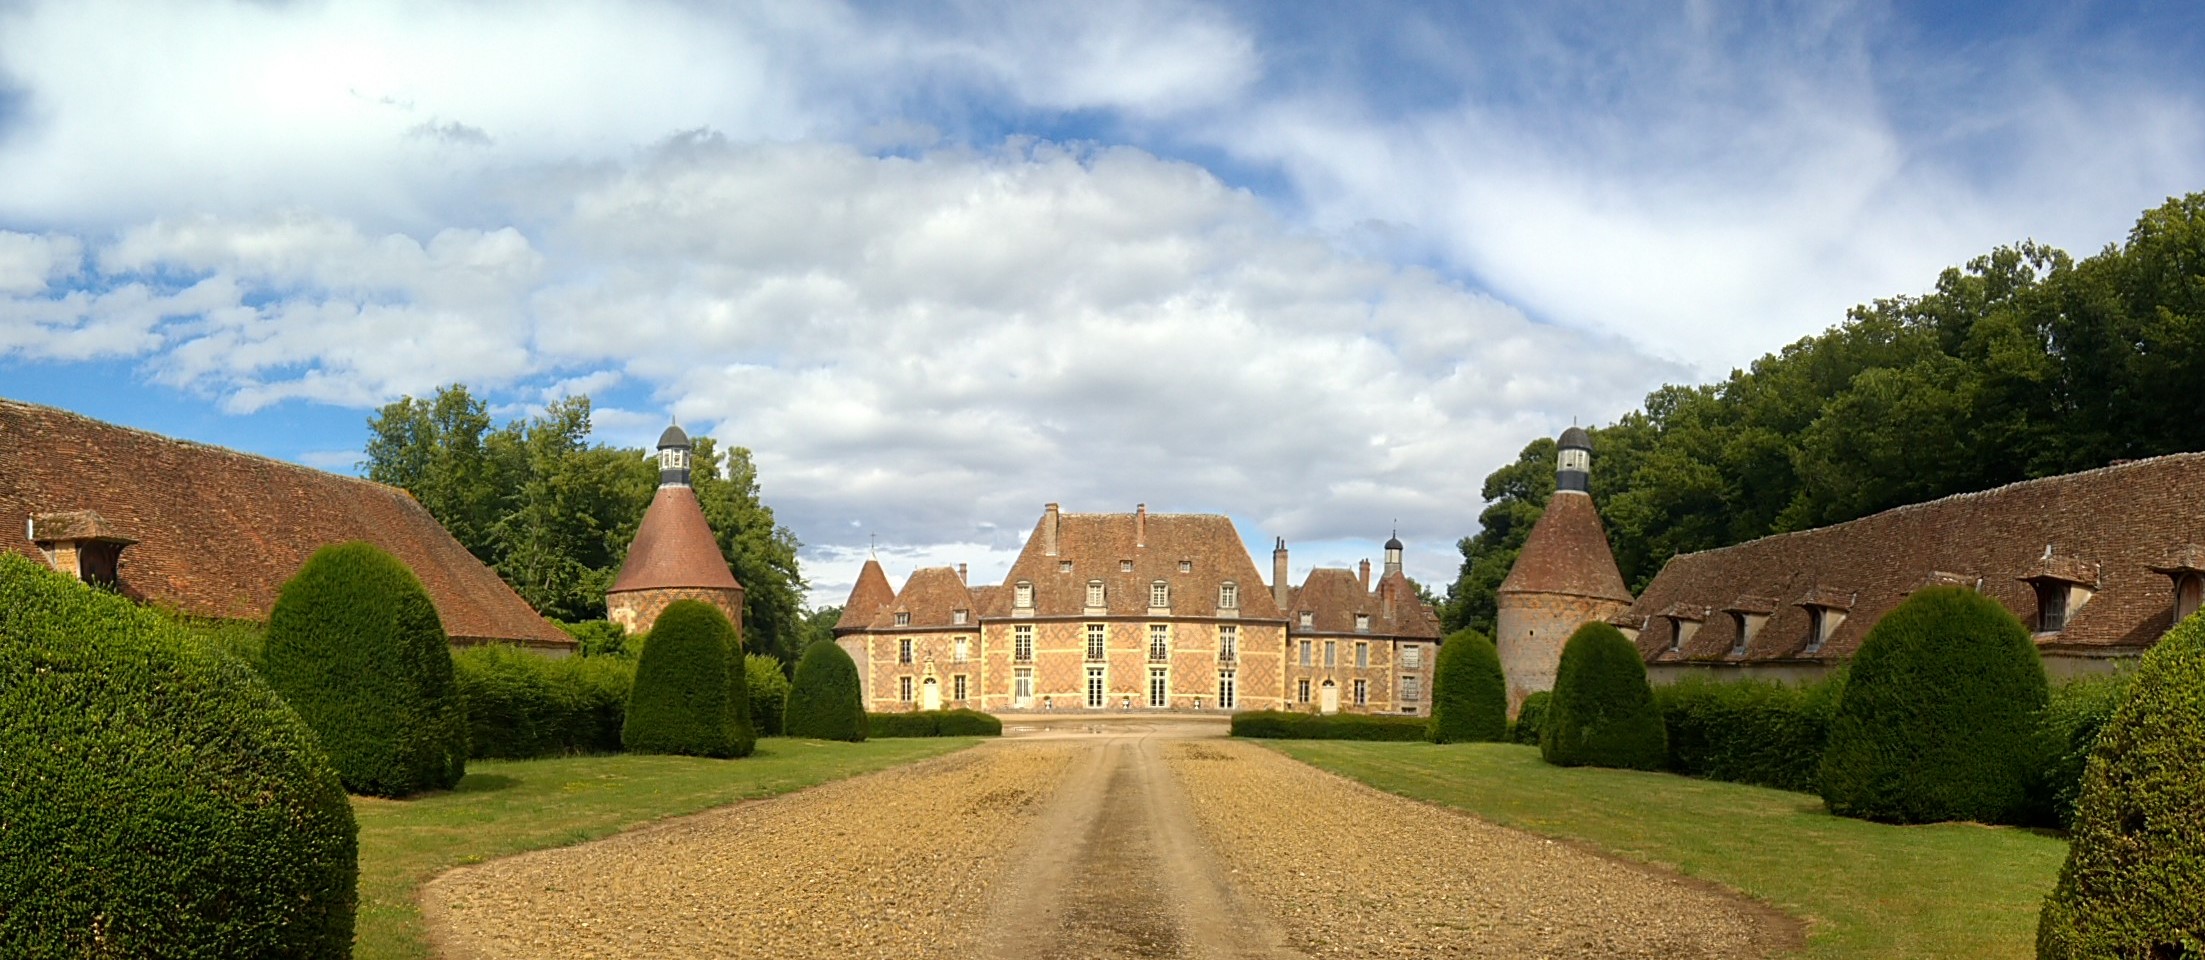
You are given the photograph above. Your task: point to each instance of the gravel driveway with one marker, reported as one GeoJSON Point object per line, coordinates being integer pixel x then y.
{"type": "Point", "coordinates": [1120, 839]}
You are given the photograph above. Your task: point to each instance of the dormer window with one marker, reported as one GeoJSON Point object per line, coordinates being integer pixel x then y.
{"type": "Point", "coordinates": [1186, 566]}
{"type": "Point", "coordinates": [1064, 566]}
{"type": "Point", "coordinates": [1023, 595]}
{"type": "Point", "coordinates": [2051, 606]}
{"type": "Point", "coordinates": [1094, 593]}
{"type": "Point", "coordinates": [1818, 628]}
{"type": "Point", "coordinates": [1362, 623]}
{"type": "Point", "coordinates": [1159, 594]}
{"type": "Point", "coordinates": [1308, 619]}
{"type": "Point", "coordinates": [1228, 596]}
{"type": "Point", "coordinates": [2189, 595]}
{"type": "Point", "coordinates": [1747, 615]}
{"type": "Point", "coordinates": [2063, 585]}
{"type": "Point", "coordinates": [960, 616]}
{"type": "Point", "coordinates": [1684, 621]}
{"type": "Point", "coordinates": [2185, 566]}
{"type": "Point", "coordinates": [1125, 566]}
{"type": "Point", "coordinates": [903, 618]}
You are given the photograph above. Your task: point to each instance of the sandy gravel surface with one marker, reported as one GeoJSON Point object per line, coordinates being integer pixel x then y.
{"type": "Point", "coordinates": [896, 864]}
{"type": "Point", "coordinates": [1353, 872]}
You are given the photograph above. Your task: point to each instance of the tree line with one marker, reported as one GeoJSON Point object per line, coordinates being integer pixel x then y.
{"type": "Point", "coordinates": [2024, 363]}
{"type": "Point", "coordinates": [553, 513]}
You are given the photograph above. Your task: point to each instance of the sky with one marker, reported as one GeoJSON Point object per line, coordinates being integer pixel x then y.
{"type": "Point", "coordinates": [1317, 266]}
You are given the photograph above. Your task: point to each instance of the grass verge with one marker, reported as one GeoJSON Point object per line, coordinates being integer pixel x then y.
{"type": "Point", "coordinates": [1865, 890]}
{"type": "Point", "coordinates": [505, 807]}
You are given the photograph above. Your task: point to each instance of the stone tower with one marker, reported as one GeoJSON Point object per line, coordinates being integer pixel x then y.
{"type": "Point", "coordinates": [1565, 576]}
{"type": "Point", "coordinates": [674, 556]}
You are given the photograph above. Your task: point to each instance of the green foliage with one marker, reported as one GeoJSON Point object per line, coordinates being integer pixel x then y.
{"type": "Point", "coordinates": [690, 696]}
{"type": "Point", "coordinates": [1748, 731]}
{"type": "Point", "coordinates": [1938, 719]}
{"type": "Point", "coordinates": [157, 799]}
{"type": "Point", "coordinates": [769, 693]}
{"type": "Point", "coordinates": [1469, 695]}
{"type": "Point", "coordinates": [522, 705]}
{"type": "Point", "coordinates": [2136, 857]}
{"type": "Point", "coordinates": [1603, 712]}
{"type": "Point", "coordinates": [932, 723]}
{"type": "Point", "coordinates": [356, 647]}
{"type": "Point", "coordinates": [243, 639]}
{"type": "Point", "coordinates": [1286, 725]}
{"type": "Point", "coordinates": [2078, 710]}
{"type": "Point", "coordinates": [1531, 718]}
{"type": "Point", "coordinates": [600, 638]}
{"type": "Point", "coordinates": [825, 702]}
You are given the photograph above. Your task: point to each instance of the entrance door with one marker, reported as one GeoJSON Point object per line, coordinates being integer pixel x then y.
{"type": "Point", "coordinates": [1328, 698]}
{"type": "Point", "coordinates": [930, 694]}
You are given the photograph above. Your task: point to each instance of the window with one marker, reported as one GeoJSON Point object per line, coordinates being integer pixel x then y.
{"type": "Point", "coordinates": [1022, 643]}
{"type": "Point", "coordinates": [1410, 689]}
{"type": "Point", "coordinates": [903, 688]}
{"type": "Point", "coordinates": [1301, 690]}
{"type": "Point", "coordinates": [1186, 566]}
{"type": "Point", "coordinates": [957, 686]}
{"type": "Point", "coordinates": [1094, 593]}
{"type": "Point", "coordinates": [1022, 686]}
{"type": "Point", "coordinates": [1159, 594]}
{"type": "Point", "coordinates": [1025, 595]}
{"type": "Point", "coordinates": [1159, 641]}
{"type": "Point", "coordinates": [1159, 687]}
{"type": "Point", "coordinates": [962, 651]}
{"type": "Point", "coordinates": [1412, 656]}
{"type": "Point", "coordinates": [903, 650]}
{"type": "Point", "coordinates": [1818, 628]}
{"type": "Point", "coordinates": [1228, 596]}
{"type": "Point", "coordinates": [903, 619]}
{"type": "Point", "coordinates": [1362, 654]}
{"type": "Point", "coordinates": [1228, 643]}
{"type": "Point", "coordinates": [1095, 688]}
{"type": "Point", "coordinates": [1064, 566]}
{"type": "Point", "coordinates": [1094, 641]}
{"type": "Point", "coordinates": [1125, 566]}
{"type": "Point", "coordinates": [1308, 619]}
{"type": "Point", "coordinates": [1362, 691]}
{"type": "Point", "coordinates": [1331, 653]}
{"type": "Point", "coordinates": [1738, 622]}
{"type": "Point", "coordinates": [959, 616]}
{"type": "Point", "coordinates": [1228, 690]}
{"type": "Point", "coordinates": [2051, 606]}
{"type": "Point", "coordinates": [1305, 653]}
{"type": "Point", "coordinates": [1362, 623]}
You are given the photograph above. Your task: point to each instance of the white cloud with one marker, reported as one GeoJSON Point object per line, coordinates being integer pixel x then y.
{"type": "Point", "coordinates": [29, 262]}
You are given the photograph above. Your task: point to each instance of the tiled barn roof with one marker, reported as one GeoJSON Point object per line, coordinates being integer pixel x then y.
{"type": "Point", "coordinates": [1567, 553]}
{"type": "Point", "coordinates": [674, 547]}
{"type": "Point", "coordinates": [1100, 545]}
{"type": "Point", "coordinates": [2114, 529]}
{"type": "Point", "coordinates": [220, 531]}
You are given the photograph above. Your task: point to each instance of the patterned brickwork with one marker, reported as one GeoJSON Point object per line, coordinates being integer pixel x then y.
{"type": "Point", "coordinates": [638, 610]}
{"type": "Point", "coordinates": [1530, 632]}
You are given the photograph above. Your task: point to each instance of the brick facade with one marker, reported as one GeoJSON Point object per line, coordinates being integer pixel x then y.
{"type": "Point", "coordinates": [637, 610]}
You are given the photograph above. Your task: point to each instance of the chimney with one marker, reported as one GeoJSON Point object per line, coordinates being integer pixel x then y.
{"type": "Point", "coordinates": [1364, 573]}
{"type": "Point", "coordinates": [1140, 524]}
{"type": "Point", "coordinates": [1049, 531]}
{"type": "Point", "coordinates": [961, 574]}
{"type": "Point", "coordinates": [1278, 575]}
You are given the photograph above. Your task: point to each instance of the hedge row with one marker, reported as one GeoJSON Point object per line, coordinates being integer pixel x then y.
{"type": "Point", "coordinates": [1531, 719]}
{"type": "Point", "coordinates": [934, 723]}
{"type": "Point", "coordinates": [1283, 725]}
{"type": "Point", "coordinates": [1760, 732]}
{"type": "Point", "coordinates": [522, 705]}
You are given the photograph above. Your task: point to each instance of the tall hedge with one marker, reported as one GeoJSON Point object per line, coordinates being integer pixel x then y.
{"type": "Point", "coordinates": [156, 798]}
{"type": "Point", "coordinates": [354, 644]}
{"type": "Point", "coordinates": [521, 704]}
{"type": "Point", "coordinates": [1288, 725]}
{"type": "Point", "coordinates": [691, 695]}
{"type": "Point", "coordinates": [1603, 712]}
{"type": "Point", "coordinates": [824, 699]}
{"type": "Point", "coordinates": [2134, 881]}
{"type": "Point", "coordinates": [769, 693]}
{"type": "Point", "coordinates": [1938, 720]}
{"type": "Point", "coordinates": [1760, 732]}
{"type": "Point", "coordinates": [1531, 718]}
{"type": "Point", "coordinates": [1469, 695]}
{"type": "Point", "coordinates": [2077, 712]}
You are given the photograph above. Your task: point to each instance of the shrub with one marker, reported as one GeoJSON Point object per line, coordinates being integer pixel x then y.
{"type": "Point", "coordinates": [2136, 856]}
{"type": "Point", "coordinates": [824, 698]}
{"type": "Point", "coordinates": [156, 798]}
{"type": "Point", "coordinates": [769, 693]}
{"type": "Point", "coordinates": [1938, 719]}
{"type": "Point", "coordinates": [356, 647]}
{"type": "Point", "coordinates": [1531, 718]}
{"type": "Point", "coordinates": [2077, 711]}
{"type": "Point", "coordinates": [522, 705]}
{"type": "Point", "coordinates": [1748, 731]}
{"type": "Point", "coordinates": [1602, 713]}
{"type": "Point", "coordinates": [932, 723]}
{"type": "Point", "coordinates": [243, 639]}
{"type": "Point", "coordinates": [1469, 696]}
{"type": "Point", "coordinates": [599, 638]}
{"type": "Point", "coordinates": [1283, 725]}
{"type": "Point", "coordinates": [690, 696]}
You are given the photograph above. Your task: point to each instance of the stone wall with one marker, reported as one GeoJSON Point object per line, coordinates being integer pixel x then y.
{"type": "Point", "coordinates": [637, 610]}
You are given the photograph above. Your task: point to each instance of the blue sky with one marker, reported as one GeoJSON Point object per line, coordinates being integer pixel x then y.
{"type": "Point", "coordinates": [1320, 266]}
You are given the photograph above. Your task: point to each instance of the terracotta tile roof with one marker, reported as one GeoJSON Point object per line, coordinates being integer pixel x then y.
{"type": "Point", "coordinates": [931, 599]}
{"type": "Point", "coordinates": [220, 531]}
{"type": "Point", "coordinates": [1098, 545]}
{"type": "Point", "coordinates": [674, 547]}
{"type": "Point", "coordinates": [871, 593]}
{"type": "Point", "coordinates": [2182, 558]}
{"type": "Point", "coordinates": [1333, 596]}
{"type": "Point", "coordinates": [1567, 553]}
{"type": "Point", "coordinates": [2113, 527]}
{"type": "Point", "coordinates": [74, 525]}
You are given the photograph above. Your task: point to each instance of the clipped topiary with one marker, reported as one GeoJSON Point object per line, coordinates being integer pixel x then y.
{"type": "Point", "coordinates": [1603, 712]}
{"type": "Point", "coordinates": [1938, 720]}
{"type": "Point", "coordinates": [824, 699]}
{"type": "Point", "coordinates": [156, 798]}
{"type": "Point", "coordinates": [356, 647]}
{"type": "Point", "coordinates": [769, 693]}
{"type": "Point", "coordinates": [690, 697]}
{"type": "Point", "coordinates": [1531, 718]}
{"type": "Point", "coordinates": [1469, 695]}
{"type": "Point", "coordinates": [2136, 856]}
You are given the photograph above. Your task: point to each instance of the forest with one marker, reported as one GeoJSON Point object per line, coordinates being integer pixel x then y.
{"type": "Point", "coordinates": [2024, 363]}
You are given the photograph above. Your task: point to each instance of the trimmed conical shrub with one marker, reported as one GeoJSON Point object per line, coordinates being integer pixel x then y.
{"type": "Point", "coordinates": [156, 798]}
{"type": "Point", "coordinates": [1469, 696]}
{"type": "Point", "coordinates": [2134, 883]}
{"type": "Point", "coordinates": [1938, 720]}
{"type": "Point", "coordinates": [691, 697]}
{"type": "Point", "coordinates": [1603, 712]}
{"type": "Point", "coordinates": [356, 647]}
{"type": "Point", "coordinates": [824, 699]}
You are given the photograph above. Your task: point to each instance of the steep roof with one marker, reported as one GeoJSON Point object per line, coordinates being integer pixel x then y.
{"type": "Point", "coordinates": [220, 531]}
{"type": "Point", "coordinates": [867, 597]}
{"type": "Point", "coordinates": [2111, 526]}
{"type": "Point", "coordinates": [674, 547]}
{"type": "Point", "coordinates": [1567, 553]}
{"type": "Point", "coordinates": [931, 598]}
{"type": "Point", "coordinates": [1335, 595]}
{"type": "Point", "coordinates": [1100, 545]}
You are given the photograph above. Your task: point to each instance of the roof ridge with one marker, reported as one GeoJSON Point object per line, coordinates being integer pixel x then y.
{"type": "Point", "coordinates": [217, 448]}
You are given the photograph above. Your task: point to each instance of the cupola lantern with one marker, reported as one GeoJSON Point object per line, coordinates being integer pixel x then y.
{"type": "Point", "coordinates": [673, 457]}
{"type": "Point", "coordinates": [1573, 464]}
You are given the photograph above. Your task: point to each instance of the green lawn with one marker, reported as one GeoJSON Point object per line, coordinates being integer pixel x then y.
{"type": "Point", "coordinates": [1864, 889]}
{"type": "Point", "coordinates": [511, 806]}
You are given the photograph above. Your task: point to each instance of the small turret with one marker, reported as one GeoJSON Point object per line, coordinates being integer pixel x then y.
{"type": "Point", "coordinates": [1573, 463]}
{"type": "Point", "coordinates": [1393, 554]}
{"type": "Point", "coordinates": [673, 457]}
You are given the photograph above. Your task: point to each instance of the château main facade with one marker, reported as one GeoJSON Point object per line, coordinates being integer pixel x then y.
{"type": "Point", "coordinates": [1140, 612]}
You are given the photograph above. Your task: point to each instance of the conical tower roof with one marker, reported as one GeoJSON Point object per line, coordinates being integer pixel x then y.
{"type": "Point", "coordinates": [674, 547]}
{"type": "Point", "coordinates": [1567, 553]}
{"type": "Point", "coordinates": [866, 599]}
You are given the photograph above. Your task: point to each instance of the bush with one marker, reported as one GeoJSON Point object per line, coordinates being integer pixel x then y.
{"type": "Point", "coordinates": [1602, 713]}
{"type": "Point", "coordinates": [690, 696]}
{"type": "Point", "coordinates": [769, 693]}
{"type": "Point", "coordinates": [932, 723]}
{"type": "Point", "coordinates": [1469, 696]}
{"type": "Point", "coordinates": [356, 647]}
{"type": "Point", "coordinates": [1938, 720]}
{"type": "Point", "coordinates": [2077, 711]}
{"type": "Point", "coordinates": [1283, 725]}
{"type": "Point", "coordinates": [522, 705]}
{"type": "Point", "coordinates": [243, 639]}
{"type": "Point", "coordinates": [2136, 857]}
{"type": "Point", "coordinates": [156, 798]}
{"type": "Point", "coordinates": [1748, 731]}
{"type": "Point", "coordinates": [1531, 718]}
{"type": "Point", "coordinates": [600, 638]}
{"type": "Point", "coordinates": [824, 699]}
